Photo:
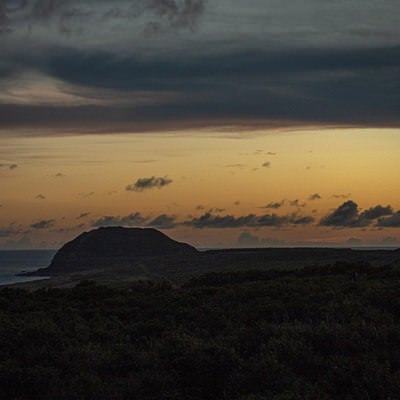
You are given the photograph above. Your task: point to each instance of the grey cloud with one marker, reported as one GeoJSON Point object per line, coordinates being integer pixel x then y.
{"type": "Point", "coordinates": [179, 14]}
{"type": "Point", "coordinates": [149, 183]}
{"type": "Point", "coordinates": [391, 222]}
{"type": "Point", "coordinates": [71, 16]}
{"type": "Point", "coordinates": [348, 215]}
{"type": "Point", "coordinates": [345, 215]}
{"type": "Point", "coordinates": [40, 197]}
{"type": "Point", "coordinates": [44, 224]}
{"type": "Point", "coordinates": [314, 196]}
{"type": "Point", "coordinates": [209, 220]}
{"type": "Point", "coordinates": [267, 164]}
{"type": "Point", "coordinates": [377, 212]}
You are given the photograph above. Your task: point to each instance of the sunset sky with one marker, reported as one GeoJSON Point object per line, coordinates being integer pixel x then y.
{"type": "Point", "coordinates": [221, 123]}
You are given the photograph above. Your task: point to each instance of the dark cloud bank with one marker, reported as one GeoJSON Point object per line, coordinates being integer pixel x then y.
{"type": "Point", "coordinates": [220, 81]}
{"type": "Point", "coordinates": [347, 215]}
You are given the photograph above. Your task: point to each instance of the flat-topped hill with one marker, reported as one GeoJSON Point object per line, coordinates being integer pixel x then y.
{"type": "Point", "coordinates": [113, 246]}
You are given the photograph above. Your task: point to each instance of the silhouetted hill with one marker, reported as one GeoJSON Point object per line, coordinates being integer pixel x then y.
{"type": "Point", "coordinates": [112, 247]}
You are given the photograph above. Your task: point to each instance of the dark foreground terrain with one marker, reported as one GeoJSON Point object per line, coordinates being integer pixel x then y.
{"type": "Point", "coordinates": [319, 333]}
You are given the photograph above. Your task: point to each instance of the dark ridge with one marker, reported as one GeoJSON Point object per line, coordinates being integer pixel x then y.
{"type": "Point", "coordinates": [112, 247]}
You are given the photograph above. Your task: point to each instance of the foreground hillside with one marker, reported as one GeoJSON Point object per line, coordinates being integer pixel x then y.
{"type": "Point", "coordinates": [317, 333]}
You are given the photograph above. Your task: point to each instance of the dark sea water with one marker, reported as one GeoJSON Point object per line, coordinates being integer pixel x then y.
{"type": "Point", "coordinates": [13, 262]}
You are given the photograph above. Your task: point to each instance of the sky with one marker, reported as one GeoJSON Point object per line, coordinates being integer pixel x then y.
{"type": "Point", "coordinates": [223, 124]}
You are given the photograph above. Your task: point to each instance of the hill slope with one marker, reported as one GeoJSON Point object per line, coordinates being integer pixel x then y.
{"type": "Point", "coordinates": [111, 247]}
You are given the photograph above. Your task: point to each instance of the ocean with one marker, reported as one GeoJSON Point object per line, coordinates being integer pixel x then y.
{"type": "Point", "coordinates": [13, 262]}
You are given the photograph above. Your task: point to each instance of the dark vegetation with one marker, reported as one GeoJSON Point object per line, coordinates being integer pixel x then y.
{"type": "Point", "coordinates": [318, 333]}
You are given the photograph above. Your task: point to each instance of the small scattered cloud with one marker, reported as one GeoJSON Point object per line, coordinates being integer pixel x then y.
{"type": "Point", "coordinates": [296, 203]}
{"type": "Point", "coordinates": [86, 195]}
{"type": "Point", "coordinates": [149, 183]}
{"type": "Point", "coordinates": [246, 239]}
{"type": "Point", "coordinates": [10, 166]}
{"type": "Point", "coordinates": [217, 210]}
{"type": "Point", "coordinates": [275, 205]}
{"type": "Point", "coordinates": [40, 197]}
{"type": "Point", "coordinates": [241, 166]}
{"type": "Point", "coordinates": [267, 164]}
{"type": "Point", "coordinates": [314, 196]}
{"type": "Point", "coordinates": [341, 196]}
{"type": "Point", "coordinates": [353, 242]}
{"type": "Point", "coordinates": [236, 203]}
{"type": "Point", "coordinates": [83, 215]}
{"type": "Point", "coordinates": [44, 224]}
{"type": "Point", "coordinates": [59, 175]}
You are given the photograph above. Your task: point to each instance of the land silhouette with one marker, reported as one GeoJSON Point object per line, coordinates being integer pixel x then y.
{"type": "Point", "coordinates": [117, 256]}
{"type": "Point", "coordinates": [133, 314]}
